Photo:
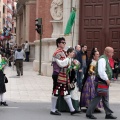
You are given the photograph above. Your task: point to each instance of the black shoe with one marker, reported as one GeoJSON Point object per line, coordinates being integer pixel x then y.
{"type": "Point", "coordinates": [4, 104]}
{"type": "Point", "coordinates": [91, 117]}
{"type": "Point", "coordinates": [21, 74]}
{"type": "Point", "coordinates": [74, 112]}
{"type": "Point", "coordinates": [97, 110]}
{"type": "Point", "coordinates": [18, 75]}
{"type": "Point", "coordinates": [55, 113]}
{"type": "Point", "coordinates": [110, 116]}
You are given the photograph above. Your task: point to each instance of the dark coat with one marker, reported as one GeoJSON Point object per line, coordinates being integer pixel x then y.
{"type": "Point", "coordinates": [2, 82]}
{"type": "Point", "coordinates": [79, 57]}
{"type": "Point", "coordinates": [84, 53]}
{"type": "Point", "coordinates": [72, 76]}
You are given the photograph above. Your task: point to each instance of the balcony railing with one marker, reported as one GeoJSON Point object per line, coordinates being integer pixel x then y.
{"type": "Point", "coordinates": [19, 8]}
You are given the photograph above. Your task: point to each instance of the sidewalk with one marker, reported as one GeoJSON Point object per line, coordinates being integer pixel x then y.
{"type": "Point", "coordinates": [29, 97]}
{"type": "Point", "coordinates": [27, 88]}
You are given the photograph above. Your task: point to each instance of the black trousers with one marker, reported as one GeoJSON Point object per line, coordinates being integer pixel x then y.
{"type": "Point", "coordinates": [54, 77]}
{"type": "Point", "coordinates": [27, 56]}
{"type": "Point", "coordinates": [116, 71]}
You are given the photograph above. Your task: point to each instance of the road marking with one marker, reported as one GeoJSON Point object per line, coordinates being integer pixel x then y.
{"type": "Point", "coordinates": [9, 107]}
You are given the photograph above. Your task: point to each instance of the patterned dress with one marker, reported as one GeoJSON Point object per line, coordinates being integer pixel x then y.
{"type": "Point", "coordinates": [88, 92]}
{"type": "Point", "coordinates": [2, 75]}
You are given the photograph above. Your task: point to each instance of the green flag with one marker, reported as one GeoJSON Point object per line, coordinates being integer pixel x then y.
{"type": "Point", "coordinates": [70, 22]}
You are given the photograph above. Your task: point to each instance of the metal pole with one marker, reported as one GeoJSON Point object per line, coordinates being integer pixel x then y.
{"type": "Point", "coordinates": [73, 34]}
{"type": "Point", "coordinates": [40, 55]}
{"type": "Point", "coordinates": [73, 27]}
{"type": "Point", "coordinates": [71, 5]}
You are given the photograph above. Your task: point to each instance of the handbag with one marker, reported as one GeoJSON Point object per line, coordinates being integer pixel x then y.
{"type": "Point", "coordinates": [6, 80]}
{"type": "Point", "coordinates": [72, 77]}
{"type": "Point", "coordinates": [102, 88]}
{"type": "Point", "coordinates": [71, 86]}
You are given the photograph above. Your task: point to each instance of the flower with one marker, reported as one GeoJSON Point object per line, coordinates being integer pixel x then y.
{"type": "Point", "coordinates": [74, 65]}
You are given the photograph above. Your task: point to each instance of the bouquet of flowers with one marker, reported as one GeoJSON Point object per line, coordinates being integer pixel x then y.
{"type": "Point", "coordinates": [74, 65]}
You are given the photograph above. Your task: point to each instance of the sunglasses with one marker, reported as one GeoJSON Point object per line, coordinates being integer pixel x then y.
{"type": "Point", "coordinates": [63, 42]}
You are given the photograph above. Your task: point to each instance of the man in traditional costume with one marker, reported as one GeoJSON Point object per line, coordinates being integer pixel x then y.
{"type": "Point", "coordinates": [104, 74]}
{"type": "Point", "coordinates": [60, 79]}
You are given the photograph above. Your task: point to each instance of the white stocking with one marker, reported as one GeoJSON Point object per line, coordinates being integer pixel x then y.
{"type": "Point", "coordinates": [69, 102]}
{"type": "Point", "coordinates": [2, 97]}
{"type": "Point", "coordinates": [54, 101]}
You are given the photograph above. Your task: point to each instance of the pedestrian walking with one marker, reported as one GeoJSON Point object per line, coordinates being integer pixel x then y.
{"type": "Point", "coordinates": [60, 79]}
{"type": "Point", "coordinates": [19, 57]}
{"type": "Point", "coordinates": [104, 75]}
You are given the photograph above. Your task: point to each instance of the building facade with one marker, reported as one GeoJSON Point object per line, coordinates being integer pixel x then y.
{"type": "Point", "coordinates": [7, 22]}
{"type": "Point", "coordinates": [97, 24]}
{"type": "Point", "coordinates": [100, 24]}
{"type": "Point", "coordinates": [54, 14]}
{"type": "Point", "coordinates": [1, 15]}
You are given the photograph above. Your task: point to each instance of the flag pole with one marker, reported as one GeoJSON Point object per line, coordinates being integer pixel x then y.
{"type": "Point", "coordinates": [74, 8]}
{"type": "Point", "coordinates": [74, 24]}
{"type": "Point", "coordinates": [70, 23]}
{"type": "Point", "coordinates": [73, 33]}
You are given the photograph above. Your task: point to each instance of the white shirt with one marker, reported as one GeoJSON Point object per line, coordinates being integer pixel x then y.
{"type": "Point", "coordinates": [63, 63]}
{"type": "Point", "coordinates": [26, 47]}
{"type": "Point", "coordinates": [19, 55]}
{"type": "Point", "coordinates": [102, 69]}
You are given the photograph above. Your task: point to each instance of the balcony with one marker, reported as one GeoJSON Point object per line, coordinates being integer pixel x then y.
{"type": "Point", "coordinates": [19, 8]}
{"type": "Point", "coordinates": [21, 1]}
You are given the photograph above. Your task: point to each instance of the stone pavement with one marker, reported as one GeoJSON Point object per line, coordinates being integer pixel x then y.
{"type": "Point", "coordinates": [27, 88]}
{"type": "Point", "coordinates": [29, 97]}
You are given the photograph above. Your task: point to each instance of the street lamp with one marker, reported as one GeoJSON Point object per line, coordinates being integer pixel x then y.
{"type": "Point", "coordinates": [39, 30]}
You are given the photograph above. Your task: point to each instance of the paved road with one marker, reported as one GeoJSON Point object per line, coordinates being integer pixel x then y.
{"type": "Point", "coordinates": [29, 98]}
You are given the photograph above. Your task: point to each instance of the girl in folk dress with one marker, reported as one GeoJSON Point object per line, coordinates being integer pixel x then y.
{"type": "Point", "coordinates": [88, 89]}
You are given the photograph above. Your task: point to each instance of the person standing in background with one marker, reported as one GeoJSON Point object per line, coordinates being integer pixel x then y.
{"type": "Point", "coordinates": [84, 58]}
{"type": "Point", "coordinates": [79, 73]}
{"type": "Point", "coordinates": [27, 51]}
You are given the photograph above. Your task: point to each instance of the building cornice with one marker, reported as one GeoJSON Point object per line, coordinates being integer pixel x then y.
{"type": "Point", "coordinates": [24, 1]}
{"type": "Point", "coordinates": [30, 2]}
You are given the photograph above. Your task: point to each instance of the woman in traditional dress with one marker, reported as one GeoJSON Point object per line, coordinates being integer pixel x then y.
{"type": "Point", "coordinates": [3, 80]}
{"type": "Point", "coordinates": [88, 89]}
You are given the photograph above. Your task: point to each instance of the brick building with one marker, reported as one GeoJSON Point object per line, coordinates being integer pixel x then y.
{"type": "Point", "coordinates": [53, 26]}
{"type": "Point", "coordinates": [97, 24]}
{"type": "Point", "coordinates": [27, 12]}
{"type": "Point", "coordinates": [7, 8]}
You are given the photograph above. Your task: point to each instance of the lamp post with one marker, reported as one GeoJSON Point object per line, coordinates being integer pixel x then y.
{"type": "Point", "coordinates": [39, 31]}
